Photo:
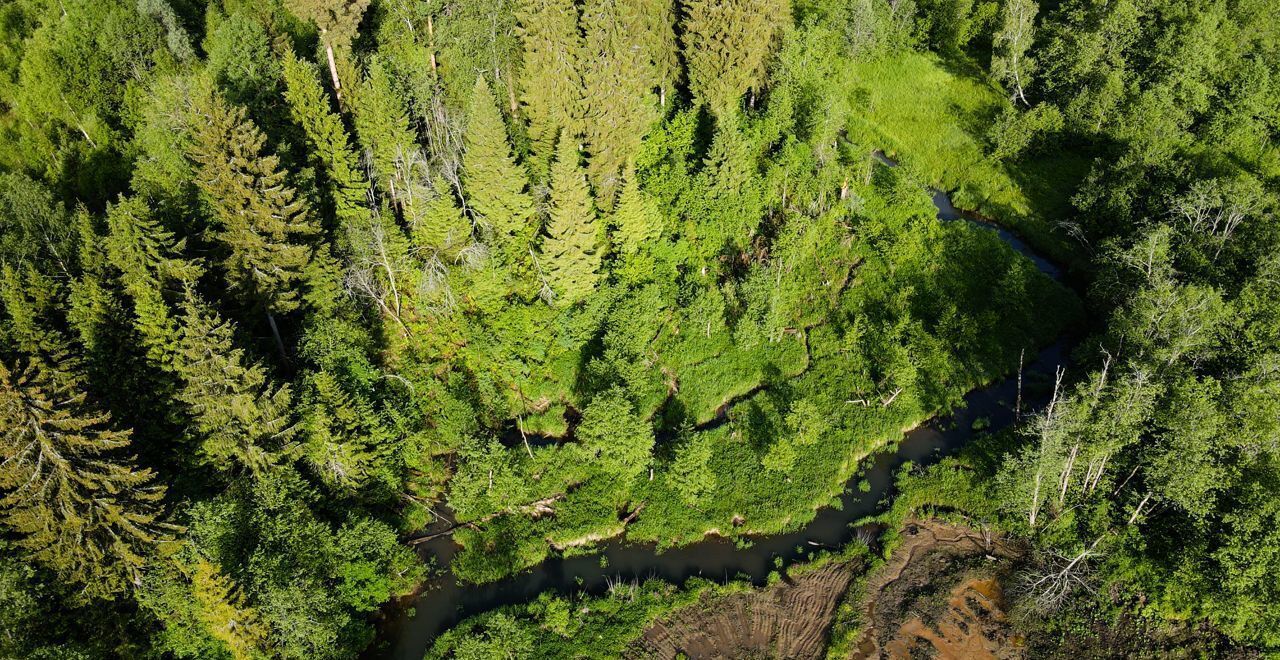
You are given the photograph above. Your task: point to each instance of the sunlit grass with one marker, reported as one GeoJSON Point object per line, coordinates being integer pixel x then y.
{"type": "Point", "coordinates": [933, 115]}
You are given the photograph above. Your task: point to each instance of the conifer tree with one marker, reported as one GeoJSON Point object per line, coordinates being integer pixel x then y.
{"type": "Point", "coordinates": [727, 45]}
{"type": "Point", "coordinates": [638, 218]}
{"type": "Point", "coordinates": [570, 258]}
{"type": "Point", "coordinates": [28, 297]}
{"type": "Point", "coordinates": [338, 22]}
{"type": "Point", "coordinates": [327, 138]}
{"type": "Point", "coordinates": [92, 300]}
{"type": "Point", "coordinates": [203, 611]}
{"type": "Point", "coordinates": [551, 88]}
{"type": "Point", "coordinates": [77, 506]}
{"type": "Point", "coordinates": [442, 228]}
{"type": "Point", "coordinates": [261, 223]}
{"type": "Point", "coordinates": [343, 432]}
{"type": "Point", "coordinates": [382, 126]}
{"type": "Point", "coordinates": [238, 417]}
{"type": "Point", "coordinates": [620, 103]}
{"type": "Point", "coordinates": [652, 24]}
{"type": "Point", "coordinates": [494, 184]}
{"type": "Point", "coordinates": [376, 248]}
{"type": "Point", "coordinates": [141, 251]}
{"type": "Point", "coordinates": [225, 614]}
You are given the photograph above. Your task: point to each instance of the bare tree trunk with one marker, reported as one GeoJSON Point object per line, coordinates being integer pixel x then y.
{"type": "Point", "coordinates": [275, 332]}
{"type": "Point", "coordinates": [431, 43]}
{"type": "Point", "coordinates": [1065, 481]}
{"type": "Point", "coordinates": [523, 437]}
{"type": "Point", "coordinates": [1017, 402]}
{"type": "Point", "coordinates": [333, 68]}
{"type": "Point", "coordinates": [1035, 501]}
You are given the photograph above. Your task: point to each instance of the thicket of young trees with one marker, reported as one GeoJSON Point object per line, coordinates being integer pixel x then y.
{"type": "Point", "coordinates": [283, 282]}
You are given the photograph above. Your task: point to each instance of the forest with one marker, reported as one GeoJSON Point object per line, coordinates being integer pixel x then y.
{"type": "Point", "coordinates": [308, 307]}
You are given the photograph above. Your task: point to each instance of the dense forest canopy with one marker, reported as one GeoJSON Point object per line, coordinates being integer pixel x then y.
{"type": "Point", "coordinates": [285, 283]}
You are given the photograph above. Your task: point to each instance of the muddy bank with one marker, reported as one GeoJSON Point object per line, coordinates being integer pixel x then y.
{"type": "Point", "coordinates": [941, 595]}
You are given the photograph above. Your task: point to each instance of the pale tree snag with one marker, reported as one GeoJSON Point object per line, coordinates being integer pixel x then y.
{"type": "Point", "coordinates": [1017, 402]}
{"type": "Point", "coordinates": [333, 66]}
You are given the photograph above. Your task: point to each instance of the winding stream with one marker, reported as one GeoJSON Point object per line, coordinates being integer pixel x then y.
{"type": "Point", "coordinates": [444, 601]}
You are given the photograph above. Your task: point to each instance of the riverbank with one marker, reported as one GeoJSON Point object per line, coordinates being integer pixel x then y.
{"type": "Point", "coordinates": [750, 556]}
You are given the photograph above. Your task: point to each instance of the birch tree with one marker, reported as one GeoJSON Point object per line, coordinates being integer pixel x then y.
{"type": "Point", "coordinates": [1010, 63]}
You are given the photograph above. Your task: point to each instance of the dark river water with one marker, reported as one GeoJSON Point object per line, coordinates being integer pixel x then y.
{"type": "Point", "coordinates": [444, 601]}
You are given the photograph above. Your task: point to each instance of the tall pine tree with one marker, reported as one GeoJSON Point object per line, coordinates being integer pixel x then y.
{"type": "Point", "coordinates": [570, 259]}
{"type": "Point", "coordinates": [76, 503]}
{"type": "Point", "coordinates": [494, 184]}
{"type": "Point", "coordinates": [727, 44]}
{"type": "Point", "coordinates": [551, 88]}
{"type": "Point", "coordinates": [262, 225]}
{"type": "Point", "coordinates": [621, 105]}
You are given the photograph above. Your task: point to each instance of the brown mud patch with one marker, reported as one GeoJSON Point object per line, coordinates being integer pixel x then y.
{"type": "Point", "coordinates": [940, 596]}
{"type": "Point", "coordinates": [790, 619]}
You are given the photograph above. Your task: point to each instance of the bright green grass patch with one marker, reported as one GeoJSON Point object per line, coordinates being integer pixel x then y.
{"type": "Point", "coordinates": [933, 116]}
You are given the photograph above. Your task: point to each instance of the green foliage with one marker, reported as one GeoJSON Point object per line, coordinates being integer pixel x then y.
{"type": "Point", "coordinates": [570, 259]}
{"type": "Point", "coordinates": [76, 504]}
{"type": "Point", "coordinates": [638, 218]}
{"type": "Point", "coordinates": [619, 76]}
{"type": "Point", "coordinates": [551, 76]}
{"type": "Point", "coordinates": [494, 184]}
{"type": "Point", "coordinates": [261, 223]}
{"type": "Point", "coordinates": [238, 417]}
{"type": "Point", "coordinates": [745, 303]}
{"type": "Point", "coordinates": [727, 46]}
{"type": "Point", "coordinates": [614, 436]}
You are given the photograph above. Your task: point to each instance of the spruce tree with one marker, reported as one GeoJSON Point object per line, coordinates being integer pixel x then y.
{"type": "Point", "coordinates": [494, 184]}
{"type": "Point", "coordinates": [203, 611]}
{"type": "Point", "coordinates": [638, 219]}
{"type": "Point", "coordinates": [442, 228]}
{"type": "Point", "coordinates": [382, 127]}
{"type": "Point", "coordinates": [338, 22]}
{"type": "Point", "coordinates": [621, 106]}
{"type": "Point", "coordinates": [570, 259]}
{"type": "Point", "coordinates": [343, 432]}
{"type": "Point", "coordinates": [28, 298]}
{"type": "Point", "coordinates": [77, 505]}
{"type": "Point", "coordinates": [262, 225]}
{"type": "Point", "coordinates": [727, 44]}
{"type": "Point", "coordinates": [142, 252]}
{"type": "Point", "coordinates": [551, 87]}
{"type": "Point", "coordinates": [375, 248]}
{"type": "Point", "coordinates": [347, 185]}
{"type": "Point", "coordinates": [652, 25]}
{"type": "Point", "coordinates": [91, 300]}
{"type": "Point", "coordinates": [238, 417]}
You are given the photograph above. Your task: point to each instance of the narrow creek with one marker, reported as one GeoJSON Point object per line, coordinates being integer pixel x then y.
{"type": "Point", "coordinates": [443, 601]}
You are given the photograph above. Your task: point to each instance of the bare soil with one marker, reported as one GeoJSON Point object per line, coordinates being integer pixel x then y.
{"type": "Point", "coordinates": [789, 619]}
{"type": "Point", "coordinates": [940, 596]}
